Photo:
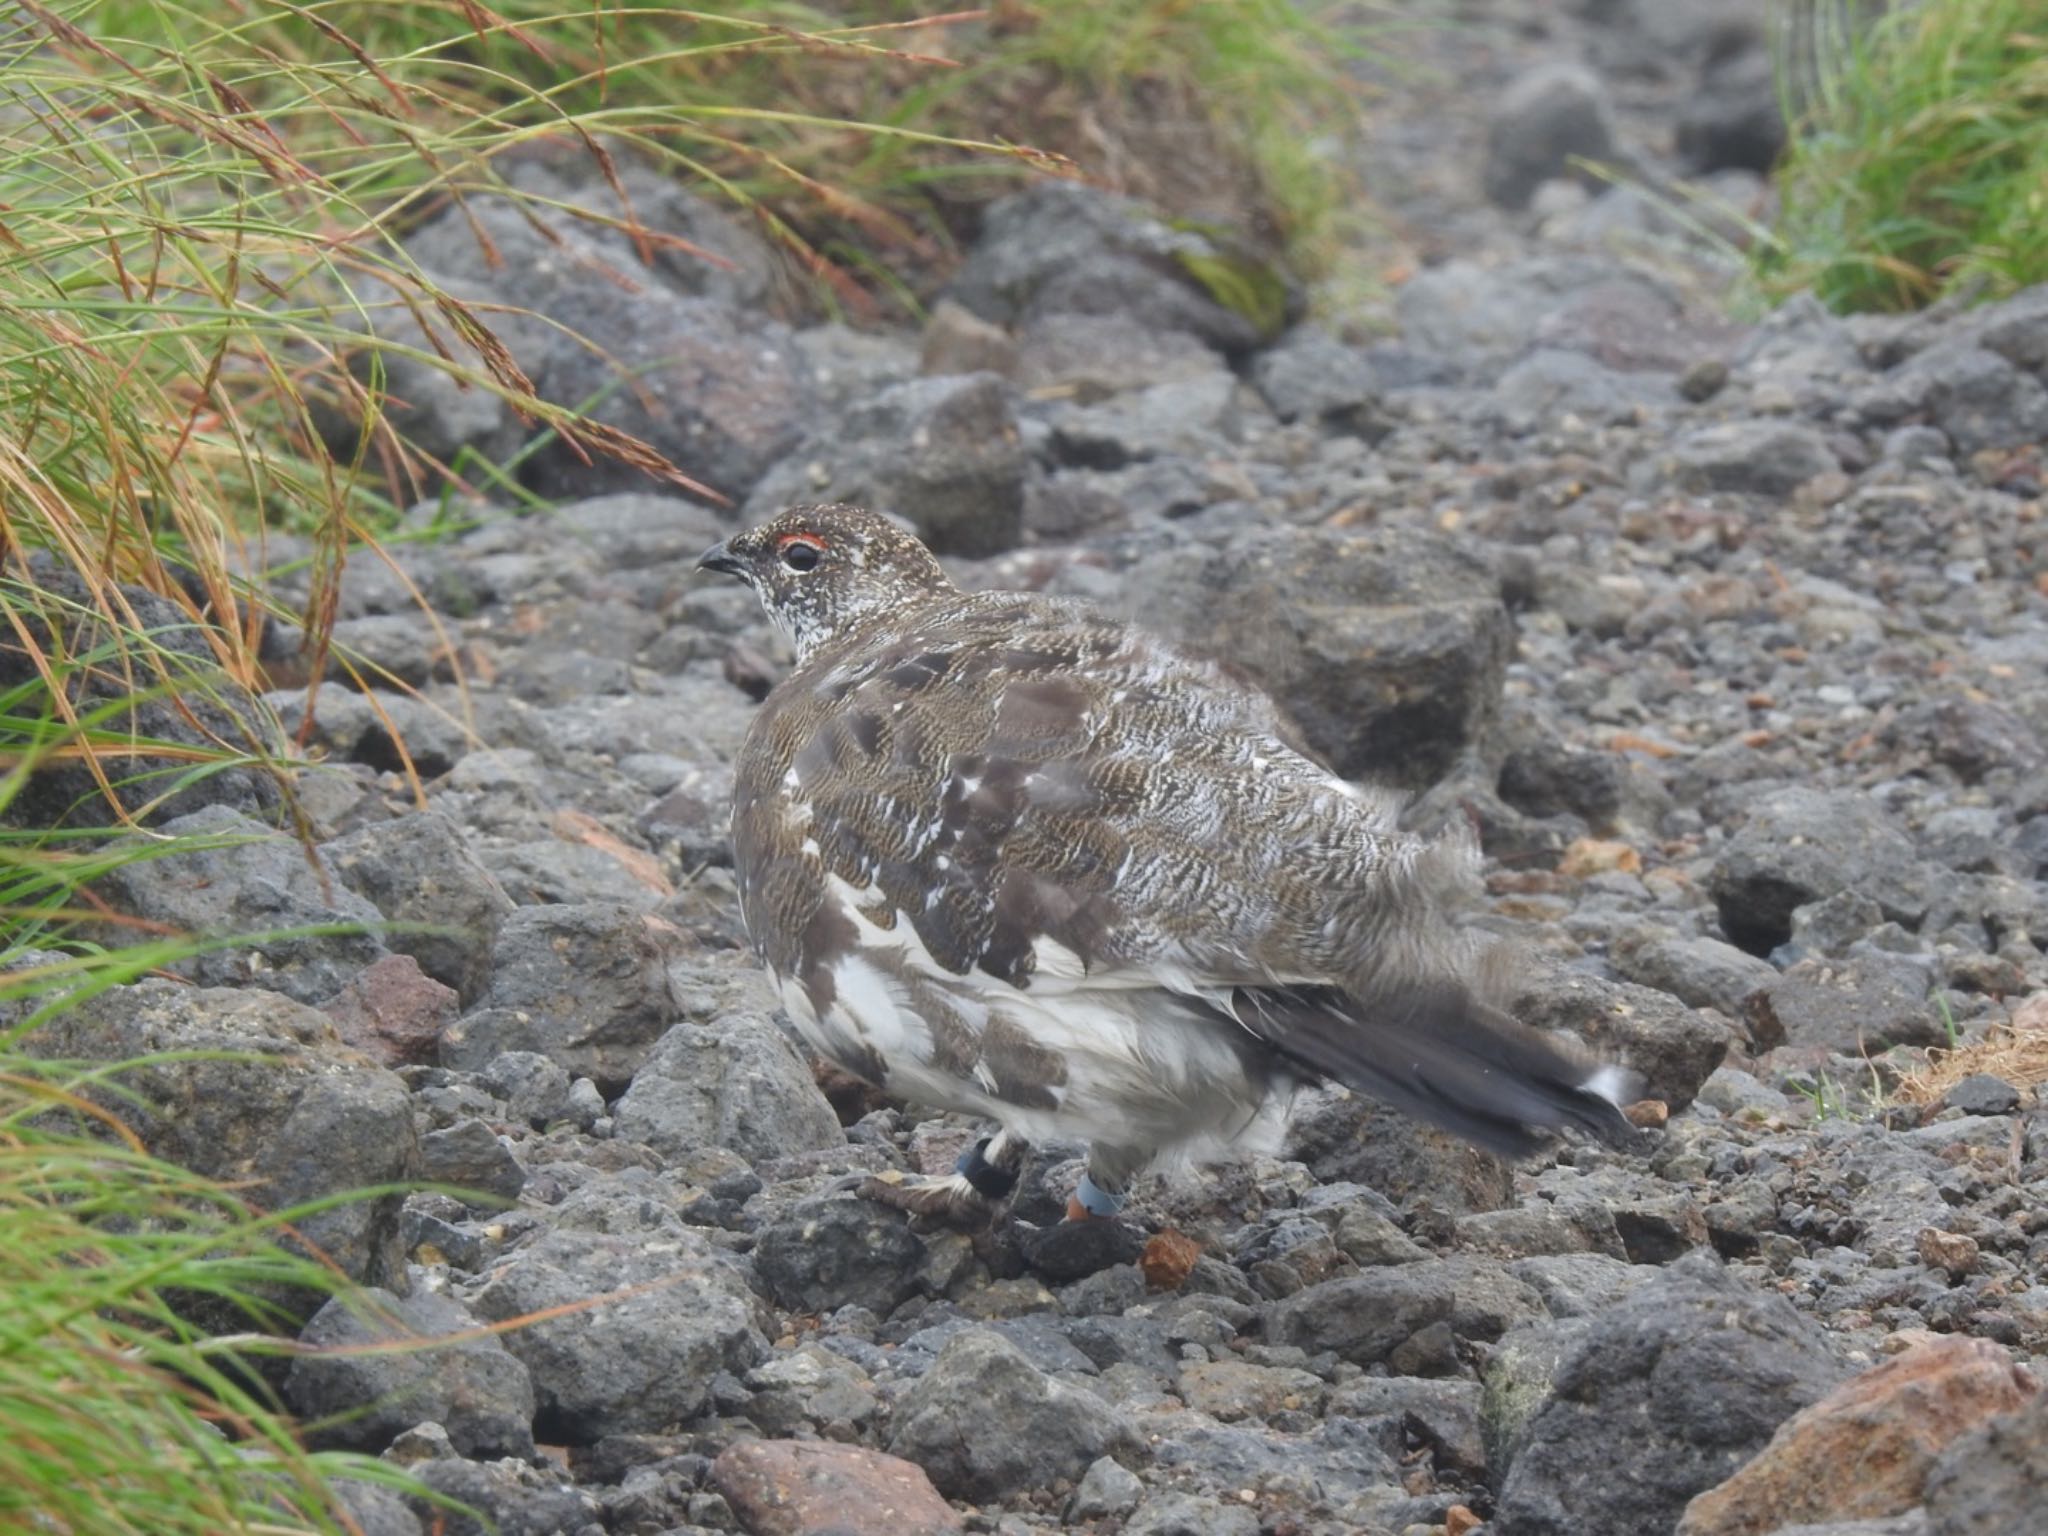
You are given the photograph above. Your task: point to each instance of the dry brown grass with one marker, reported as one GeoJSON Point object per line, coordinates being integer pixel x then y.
{"type": "Point", "coordinates": [2015, 1049]}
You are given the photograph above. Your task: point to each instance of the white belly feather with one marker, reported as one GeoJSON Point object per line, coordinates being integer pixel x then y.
{"type": "Point", "coordinates": [1146, 1068]}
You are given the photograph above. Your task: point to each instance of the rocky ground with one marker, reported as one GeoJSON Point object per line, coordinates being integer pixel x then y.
{"type": "Point", "coordinates": [1732, 635]}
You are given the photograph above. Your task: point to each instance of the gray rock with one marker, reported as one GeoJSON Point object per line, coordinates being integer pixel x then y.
{"type": "Point", "coordinates": [1364, 1317]}
{"type": "Point", "coordinates": [1388, 645]}
{"type": "Point", "coordinates": [1760, 456]}
{"type": "Point", "coordinates": [1805, 351]}
{"type": "Point", "coordinates": [1982, 1094]}
{"type": "Point", "coordinates": [944, 453]}
{"type": "Point", "coordinates": [1443, 1415]}
{"type": "Point", "coordinates": [1479, 318]}
{"type": "Point", "coordinates": [469, 1156]}
{"type": "Point", "coordinates": [1346, 1467]}
{"type": "Point", "coordinates": [635, 530]}
{"type": "Point", "coordinates": [1867, 1002]}
{"type": "Point", "coordinates": [676, 352]}
{"type": "Point", "coordinates": [956, 340]}
{"type": "Point", "coordinates": [1107, 1490]}
{"type": "Point", "coordinates": [375, 1509]}
{"type": "Point", "coordinates": [535, 1089]}
{"type": "Point", "coordinates": [984, 1423]}
{"type": "Point", "coordinates": [838, 1251]}
{"type": "Point", "coordinates": [501, 1498]}
{"type": "Point", "coordinates": [853, 365]}
{"type": "Point", "coordinates": [383, 729]}
{"type": "Point", "coordinates": [1658, 1398]}
{"type": "Point", "coordinates": [1733, 119]}
{"type": "Point", "coordinates": [1063, 248]}
{"type": "Point", "coordinates": [1191, 419]}
{"type": "Point", "coordinates": [472, 1387]}
{"type": "Point", "coordinates": [1578, 1284]}
{"type": "Point", "coordinates": [2015, 328]}
{"type": "Point", "coordinates": [1548, 1228]}
{"type": "Point", "coordinates": [186, 700]}
{"type": "Point", "coordinates": [286, 1113]}
{"type": "Point", "coordinates": [809, 1388]}
{"type": "Point", "coordinates": [1912, 1523]}
{"type": "Point", "coordinates": [1190, 1514]}
{"type": "Point", "coordinates": [418, 870]}
{"type": "Point", "coordinates": [586, 986]}
{"type": "Point", "coordinates": [1992, 1476]}
{"type": "Point", "coordinates": [1804, 845]}
{"type": "Point", "coordinates": [734, 1082]}
{"type": "Point", "coordinates": [1311, 376]}
{"type": "Point", "coordinates": [1091, 356]}
{"type": "Point", "coordinates": [1829, 926]}
{"type": "Point", "coordinates": [665, 1318]}
{"type": "Point", "coordinates": [1349, 1137]}
{"type": "Point", "coordinates": [1546, 118]}
{"type": "Point", "coordinates": [1073, 1250]}
{"type": "Point", "coordinates": [1975, 396]}
{"type": "Point", "coordinates": [1673, 1047]}
{"type": "Point", "coordinates": [1552, 382]}
{"type": "Point", "coordinates": [1701, 972]}
{"type": "Point", "coordinates": [244, 879]}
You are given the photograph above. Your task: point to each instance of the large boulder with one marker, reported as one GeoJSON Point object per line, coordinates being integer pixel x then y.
{"type": "Point", "coordinates": [1800, 846]}
{"type": "Point", "coordinates": [1548, 120]}
{"type": "Point", "coordinates": [1654, 1400]}
{"type": "Point", "coordinates": [657, 341]}
{"type": "Point", "coordinates": [649, 1327]}
{"type": "Point", "coordinates": [1387, 646]}
{"type": "Point", "coordinates": [1064, 248]}
{"type": "Point", "coordinates": [254, 1089]}
{"type": "Point", "coordinates": [365, 1398]}
{"type": "Point", "coordinates": [733, 1081]}
{"type": "Point", "coordinates": [236, 879]}
{"type": "Point", "coordinates": [417, 870]}
{"type": "Point", "coordinates": [174, 692]}
{"type": "Point", "coordinates": [984, 1422]}
{"type": "Point", "coordinates": [945, 453]}
{"type": "Point", "coordinates": [587, 986]}
{"type": "Point", "coordinates": [1865, 1450]}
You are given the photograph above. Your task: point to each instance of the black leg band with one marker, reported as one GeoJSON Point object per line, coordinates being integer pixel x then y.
{"type": "Point", "coordinates": [988, 1180]}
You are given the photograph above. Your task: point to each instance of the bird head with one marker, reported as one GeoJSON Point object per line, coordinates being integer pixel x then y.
{"type": "Point", "coordinates": [821, 571]}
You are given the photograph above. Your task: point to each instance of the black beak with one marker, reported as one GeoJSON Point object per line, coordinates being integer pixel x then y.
{"type": "Point", "coordinates": [719, 558]}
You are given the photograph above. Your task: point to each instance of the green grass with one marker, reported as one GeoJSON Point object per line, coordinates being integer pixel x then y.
{"type": "Point", "coordinates": [122, 1415]}
{"type": "Point", "coordinates": [1919, 166]}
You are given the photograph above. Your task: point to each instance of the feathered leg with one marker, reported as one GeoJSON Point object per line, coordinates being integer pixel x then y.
{"type": "Point", "coordinates": [983, 1178]}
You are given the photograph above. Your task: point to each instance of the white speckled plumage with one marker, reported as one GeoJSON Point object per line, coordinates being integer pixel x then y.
{"type": "Point", "coordinates": [1007, 857]}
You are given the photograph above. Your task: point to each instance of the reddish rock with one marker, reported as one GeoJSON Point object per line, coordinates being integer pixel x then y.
{"type": "Point", "coordinates": [1950, 1251]}
{"type": "Point", "coordinates": [1168, 1259]}
{"type": "Point", "coordinates": [817, 1488]}
{"type": "Point", "coordinates": [1865, 1450]}
{"type": "Point", "coordinates": [394, 1012]}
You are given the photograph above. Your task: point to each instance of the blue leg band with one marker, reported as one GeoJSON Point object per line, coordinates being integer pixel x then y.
{"type": "Point", "coordinates": [1096, 1200]}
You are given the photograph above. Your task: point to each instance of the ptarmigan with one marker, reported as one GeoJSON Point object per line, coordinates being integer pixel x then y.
{"type": "Point", "coordinates": [1006, 857]}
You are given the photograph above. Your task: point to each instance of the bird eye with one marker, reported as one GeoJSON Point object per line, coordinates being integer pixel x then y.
{"type": "Point", "coordinates": [800, 555]}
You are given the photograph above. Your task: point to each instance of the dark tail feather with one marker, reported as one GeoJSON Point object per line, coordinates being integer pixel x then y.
{"type": "Point", "coordinates": [1434, 1051]}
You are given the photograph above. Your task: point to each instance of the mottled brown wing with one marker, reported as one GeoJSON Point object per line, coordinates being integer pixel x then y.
{"type": "Point", "coordinates": [1013, 772]}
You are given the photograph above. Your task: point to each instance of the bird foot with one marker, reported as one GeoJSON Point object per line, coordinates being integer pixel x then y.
{"type": "Point", "coordinates": [945, 1200]}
